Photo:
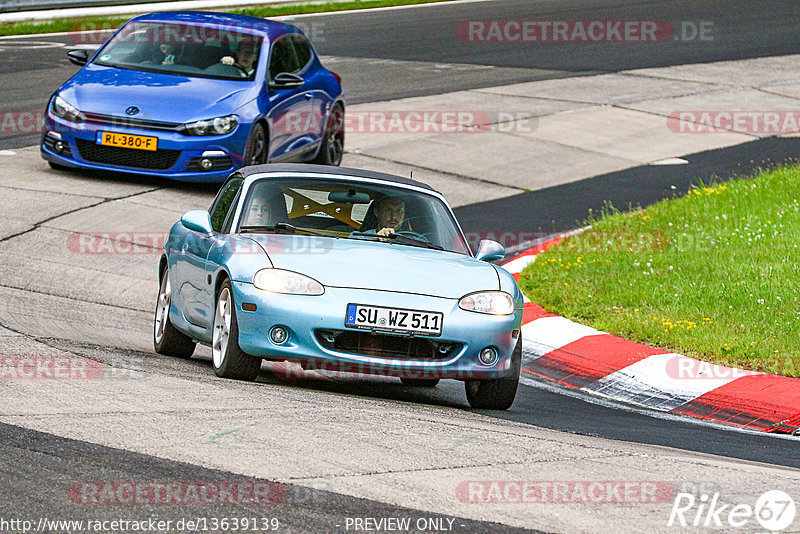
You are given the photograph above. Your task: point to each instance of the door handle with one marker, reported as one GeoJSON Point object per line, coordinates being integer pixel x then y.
{"type": "Point", "coordinates": [309, 95]}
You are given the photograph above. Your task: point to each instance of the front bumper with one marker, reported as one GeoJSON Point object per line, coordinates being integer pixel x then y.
{"type": "Point", "coordinates": [305, 316]}
{"type": "Point", "coordinates": [180, 152]}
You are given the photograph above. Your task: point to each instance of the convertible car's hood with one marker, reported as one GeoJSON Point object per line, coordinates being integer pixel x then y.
{"type": "Point", "coordinates": [391, 267]}
{"type": "Point", "coordinates": [159, 97]}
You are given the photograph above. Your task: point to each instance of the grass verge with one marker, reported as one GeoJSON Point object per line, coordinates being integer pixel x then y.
{"type": "Point", "coordinates": [76, 24]}
{"type": "Point", "coordinates": [712, 274]}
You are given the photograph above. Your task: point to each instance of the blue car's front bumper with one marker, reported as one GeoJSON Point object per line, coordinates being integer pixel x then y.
{"type": "Point", "coordinates": [184, 149]}
{"type": "Point", "coordinates": [307, 318]}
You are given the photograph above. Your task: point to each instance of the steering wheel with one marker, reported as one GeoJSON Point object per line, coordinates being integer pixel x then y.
{"type": "Point", "coordinates": [415, 235]}
{"type": "Point", "coordinates": [241, 69]}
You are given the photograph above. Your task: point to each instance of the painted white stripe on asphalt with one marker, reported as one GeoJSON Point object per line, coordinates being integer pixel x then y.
{"type": "Point", "coordinates": [516, 266]}
{"type": "Point", "coordinates": [663, 381]}
{"type": "Point", "coordinates": [550, 333]}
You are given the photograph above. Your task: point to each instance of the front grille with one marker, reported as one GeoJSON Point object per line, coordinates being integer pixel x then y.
{"type": "Point", "coordinates": [159, 160]}
{"type": "Point", "coordinates": [130, 122]}
{"type": "Point", "coordinates": [386, 345]}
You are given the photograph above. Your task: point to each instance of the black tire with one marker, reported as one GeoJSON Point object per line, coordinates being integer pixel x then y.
{"type": "Point", "coordinates": [496, 394]}
{"type": "Point", "coordinates": [420, 382]}
{"type": "Point", "coordinates": [332, 148]}
{"type": "Point", "coordinates": [230, 361]}
{"type": "Point", "coordinates": [257, 146]}
{"type": "Point", "coordinates": [167, 339]}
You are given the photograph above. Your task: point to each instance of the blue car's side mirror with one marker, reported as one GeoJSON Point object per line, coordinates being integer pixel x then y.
{"type": "Point", "coordinates": [198, 221]}
{"type": "Point", "coordinates": [489, 250]}
{"type": "Point", "coordinates": [78, 57]}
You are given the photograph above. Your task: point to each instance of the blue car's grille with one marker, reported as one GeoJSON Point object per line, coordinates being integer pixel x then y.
{"type": "Point", "coordinates": [387, 345]}
{"type": "Point", "coordinates": [126, 157]}
{"type": "Point", "coordinates": [129, 122]}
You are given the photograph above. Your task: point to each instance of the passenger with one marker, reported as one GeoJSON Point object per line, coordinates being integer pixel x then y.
{"type": "Point", "coordinates": [259, 213]}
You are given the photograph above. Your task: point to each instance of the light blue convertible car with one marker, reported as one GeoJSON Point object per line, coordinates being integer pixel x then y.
{"type": "Point", "coordinates": [340, 270]}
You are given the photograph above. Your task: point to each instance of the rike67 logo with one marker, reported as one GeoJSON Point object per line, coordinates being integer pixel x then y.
{"type": "Point", "coordinates": [773, 510]}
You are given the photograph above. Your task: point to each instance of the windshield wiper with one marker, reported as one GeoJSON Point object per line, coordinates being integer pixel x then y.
{"type": "Point", "coordinates": [399, 238]}
{"type": "Point", "coordinates": [285, 227]}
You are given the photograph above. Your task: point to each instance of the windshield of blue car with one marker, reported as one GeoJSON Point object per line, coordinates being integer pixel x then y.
{"type": "Point", "coordinates": [353, 210]}
{"type": "Point", "coordinates": [184, 50]}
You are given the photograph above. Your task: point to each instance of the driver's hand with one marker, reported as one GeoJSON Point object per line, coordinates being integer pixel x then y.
{"type": "Point", "coordinates": [227, 60]}
{"type": "Point", "coordinates": [385, 231]}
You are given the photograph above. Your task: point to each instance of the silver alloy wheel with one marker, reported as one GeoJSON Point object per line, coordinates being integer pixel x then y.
{"type": "Point", "coordinates": [162, 307]}
{"type": "Point", "coordinates": [335, 146]}
{"type": "Point", "coordinates": [222, 327]}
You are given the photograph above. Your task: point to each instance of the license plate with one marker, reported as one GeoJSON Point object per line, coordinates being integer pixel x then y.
{"type": "Point", "coordinates": [394, 319]}
{"type": "Point", "coordinates": [138, 142]}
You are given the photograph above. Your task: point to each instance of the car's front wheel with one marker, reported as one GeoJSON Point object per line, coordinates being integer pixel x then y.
{"type": "Point", "coordinates": [256, 146]}
{"type": "Point", "coordinates": [332, 149]}
{"type": "Point", "coordinates": [497, 394]}
{"type": "Point", "coordinates": [228, 359]}
{"type": "Point", "coordinates": [166, 338]}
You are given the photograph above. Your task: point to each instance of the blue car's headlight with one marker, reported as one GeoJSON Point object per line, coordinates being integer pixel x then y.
{"type": "Point", "coordinates": [492, 302]}
{"type": "Point", "coordinates": [216, 126]}
{"type": "Point", "coordinates": [280, 281]}
{"type": "Point", "coordinates": [63, 109]}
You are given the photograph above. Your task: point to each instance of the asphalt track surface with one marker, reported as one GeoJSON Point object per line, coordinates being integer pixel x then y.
{"type": "Point", "coordinates": [29, 75]}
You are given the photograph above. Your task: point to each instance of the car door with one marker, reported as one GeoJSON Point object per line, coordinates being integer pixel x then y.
{"type": "Point", "coordinates": [317, 95]}
{"type": "Point", "coordinates": [198, 300]}
{"type": "Point", "coordinates": [289, 108]}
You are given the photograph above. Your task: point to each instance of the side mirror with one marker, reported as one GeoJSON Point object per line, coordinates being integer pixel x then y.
{"type": "Point", "coordinates": [284, 80]}
{"type": "Point", "coordinates": [78, 57]}
{"type": "Point", "coordinates": [489, 250]}
{"type": "Point", "coordinates": [198, 221]}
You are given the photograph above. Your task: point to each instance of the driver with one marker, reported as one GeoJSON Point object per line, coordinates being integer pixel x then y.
{"type": "Point", "coordinates": [245, 57]}
{"type": "Point", "coordinates": [390, 213]}
{"type": "Point", "coordinates": [258, 214]}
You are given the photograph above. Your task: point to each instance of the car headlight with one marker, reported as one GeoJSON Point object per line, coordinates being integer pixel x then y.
{"type": "Point", "coordinates": [492, 302]}
{"type": "Point", "coordinates": [216, 126]}
{"type": "Point", "coordinates": [280, 281]}
{"type": "Point", "coordinates": [63, 109]}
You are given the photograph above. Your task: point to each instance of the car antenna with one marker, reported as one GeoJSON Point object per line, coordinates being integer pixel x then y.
{"type": "Point", "coordinates": [411, 174]}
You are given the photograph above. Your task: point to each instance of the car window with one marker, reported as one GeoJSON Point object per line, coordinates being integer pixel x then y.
{"type": "Point", "coordinates": [222, 204]}
{"type": "Point", "coordinates": [283, 58]}
{"type": "Point", "coordinates": [302, 49]}
{"type": "Point", "coordinates": [341, 208]}
{"type": "Point", "coordinates": [180, 49]}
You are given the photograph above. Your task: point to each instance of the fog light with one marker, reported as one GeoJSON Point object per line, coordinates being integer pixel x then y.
{"type": "Point", "coordinates": [278, 335]}
{"type": "Point", "coordinates": [59, 146]}
{"type": "Point", "coordinates": [488, 356]}
{"type": "Point", "coordinates": [206, 164]}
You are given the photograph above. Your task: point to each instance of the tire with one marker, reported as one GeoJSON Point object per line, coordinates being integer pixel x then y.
{"type": "Point", "coordinates": [497, 394]}
{"type": "Point", "coordinates": [332, 148]}
{"type": "Point", "coordinates": [228, 359]}
{"type": "Point", "coordinates": [420, 382]}
{"type": "Point", "coordinates": [256, 146]}
{"type": "Point", "coordinates": [167, 339]}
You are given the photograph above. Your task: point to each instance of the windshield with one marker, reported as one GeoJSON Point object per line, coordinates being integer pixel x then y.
{"type": "Point", "coordinates": [353, 210]}
{"type": "Point", "coordinates": [185, 50]}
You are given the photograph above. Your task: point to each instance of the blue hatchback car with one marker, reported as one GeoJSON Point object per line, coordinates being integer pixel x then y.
{"type": "Point", "coordinates": [339, 270]}
{"type": "Point", "coordinates": [194, 96]}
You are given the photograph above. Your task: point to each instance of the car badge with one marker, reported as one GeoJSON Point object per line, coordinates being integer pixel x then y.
{"type": "Point", "coordinates": [132, 110]}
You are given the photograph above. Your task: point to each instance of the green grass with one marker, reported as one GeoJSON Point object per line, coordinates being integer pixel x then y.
{"type": "Point", "coordinates": [75, 24]}
{"type": "Point", "coordinates": [712, 274]}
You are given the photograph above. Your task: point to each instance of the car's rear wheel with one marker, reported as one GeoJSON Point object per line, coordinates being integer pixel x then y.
{"type": "Point", "coordinates": [332, 149]}
{"type": "Point", "coordinates": [228, 359]}
{"type": "Point", "coordinates": [256, 146]}
{"type": "Point", "coordinates": [420, 382]}
{"type": "Point", "coordinates": [166, 338]}
{"type": "Point", "coordinates": [497, 394]}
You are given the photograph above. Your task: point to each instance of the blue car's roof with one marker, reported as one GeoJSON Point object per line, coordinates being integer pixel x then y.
{"type": "Point", "coordinates": [254, 25]}
{"type": "Point", "coordinates": [339, 171]}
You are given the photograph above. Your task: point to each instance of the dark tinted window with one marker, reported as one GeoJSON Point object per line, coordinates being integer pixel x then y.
{"type": "Point", "coordinates": [223, 202]}
{"type": "Point", "coordinates": [283, 58]}
{"type": "Point", "coordinates": [302, 49]}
